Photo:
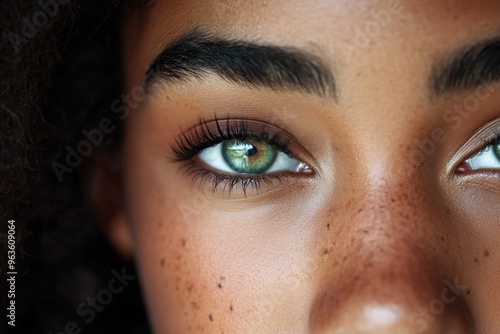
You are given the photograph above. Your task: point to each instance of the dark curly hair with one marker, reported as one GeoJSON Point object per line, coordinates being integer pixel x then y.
{"type": "Point", "coordinates": [59, 73]}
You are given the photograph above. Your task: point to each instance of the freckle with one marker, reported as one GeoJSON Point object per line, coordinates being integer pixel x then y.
{"type": "Point", "coordinates": [162, 262]}
{"type": "Point", "coordinates": [195, 305]}
{"type": "Point", "coordinates": [160, 223]}
{"type": "Point", "coordinates": [190, 287]}
{"type": "Point", "coordinates": [231, 308]}
{"type": "Point", "coordinates": [486, 253]}
{"type": "Point", "coordinates": [325, 252]}
{"type": "Point", "coordinates": [179, 257]}
{"type": "Point", "coordinates": [221, 282]}
{"type": "Point", "coordinates": [211, 317]}
{"type": "Point", "coordinates": [442, 238]}
{"type": "Point", "coordinates": [468, 292]}
{"type": "Point", "coordinates": [183, 242]}
{"type": "Point", "coordinates": [475, 260]}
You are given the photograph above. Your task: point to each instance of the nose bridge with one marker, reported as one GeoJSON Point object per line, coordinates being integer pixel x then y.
{"type": "Point", "coordinates": [386, 265]}
{"type": "Point", "coordinates": [392, 216]}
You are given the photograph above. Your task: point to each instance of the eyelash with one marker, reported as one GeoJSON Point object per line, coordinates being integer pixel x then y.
{"type": "Point", "coordinates": [490, 141]}
{"type": "Point", "coordinates": [203, 135]}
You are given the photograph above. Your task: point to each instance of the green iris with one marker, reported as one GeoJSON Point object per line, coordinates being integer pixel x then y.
{"type": "Point", "coordinates": [249, 157]}
{"type": "Point", "coordinates": [496, 150]}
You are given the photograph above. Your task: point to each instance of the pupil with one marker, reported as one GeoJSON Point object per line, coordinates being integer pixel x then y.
{"type": "Point", "coordinates": [251, 152]}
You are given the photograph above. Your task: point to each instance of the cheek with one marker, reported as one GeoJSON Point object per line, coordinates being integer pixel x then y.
{"type": "Point", "coordinates": [476, 227]}
{"type": "Point", "coordinates": [176, 280]}
{"type": "Point", "coordinates": [204, 266]}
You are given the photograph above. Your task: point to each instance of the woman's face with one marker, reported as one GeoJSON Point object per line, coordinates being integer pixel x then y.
{"type": "Point", "coordinates": [312, 166]}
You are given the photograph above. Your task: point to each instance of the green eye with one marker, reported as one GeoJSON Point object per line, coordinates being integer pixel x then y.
{"type": "Point", "coordinates": [249, 157]}
{"type": "Point", "coordinates": [496, 151]}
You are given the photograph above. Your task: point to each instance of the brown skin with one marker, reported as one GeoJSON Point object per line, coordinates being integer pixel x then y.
{"type": "Point", "coordinates": [358, 247]}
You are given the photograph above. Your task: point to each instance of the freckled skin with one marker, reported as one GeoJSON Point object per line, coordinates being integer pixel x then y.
{"type": "Point", "coordinates": [358, 248]}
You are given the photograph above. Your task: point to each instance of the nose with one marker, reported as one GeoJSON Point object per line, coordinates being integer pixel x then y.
{"type": "Point", "coordinates": [372, 306]}
{"type": "Point", "coordinates": [388, 270]}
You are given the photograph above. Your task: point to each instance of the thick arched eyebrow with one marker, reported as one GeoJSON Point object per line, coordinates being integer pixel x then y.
{"type": "Point", "coordinates": [467, 69]}
{"type": "Point", "coordinates": [198, 54]}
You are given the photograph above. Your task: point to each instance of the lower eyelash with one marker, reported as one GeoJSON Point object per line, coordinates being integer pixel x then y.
{"type": "Point", "coordinates": [229, 182]}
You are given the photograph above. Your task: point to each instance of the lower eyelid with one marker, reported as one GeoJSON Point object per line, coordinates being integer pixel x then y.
{"type": "Point", "coordinates": [230, 183]}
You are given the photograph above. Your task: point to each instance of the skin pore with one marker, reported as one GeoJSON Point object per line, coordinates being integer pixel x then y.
{"type": "Point", "coordinates": [389, 230]}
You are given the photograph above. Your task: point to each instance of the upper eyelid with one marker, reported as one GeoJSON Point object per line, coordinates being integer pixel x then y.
{"type": "Point", "coordinates": [209, 133]}
{"type": "Point", "coordinates": [484, 135]}
{"type": "Point", "coordinates": [492, 140]}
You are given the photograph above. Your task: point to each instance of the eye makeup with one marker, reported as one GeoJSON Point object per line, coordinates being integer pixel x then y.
{"type": "Point", "coordinates": [242, 140]}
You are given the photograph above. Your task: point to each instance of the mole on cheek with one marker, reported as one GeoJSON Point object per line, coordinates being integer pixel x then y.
{"type": "Point", "coordinates": [486, 253]}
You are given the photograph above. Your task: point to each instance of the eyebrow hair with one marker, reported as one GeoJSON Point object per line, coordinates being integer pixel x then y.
{"type": "Point", "coordinates": [467, 69]}
{"type": "Point", "coordinates": [198, 54]}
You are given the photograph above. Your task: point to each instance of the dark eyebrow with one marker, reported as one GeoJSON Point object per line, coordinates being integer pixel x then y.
{"type": "Point", "coordinates": [467, 69]}
{"type": "Point", "coordinates": [198, 54]}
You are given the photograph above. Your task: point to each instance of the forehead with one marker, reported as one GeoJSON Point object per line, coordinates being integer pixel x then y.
{"type": "Point", "coordinates": [343, 32]}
